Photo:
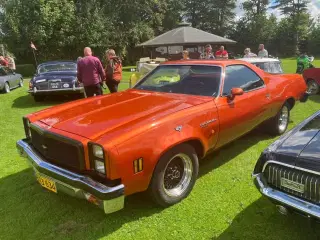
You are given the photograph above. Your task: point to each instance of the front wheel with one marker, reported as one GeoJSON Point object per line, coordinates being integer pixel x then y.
{"type": "Point", "coordinates": [313, 87]}
{"type": "Point", "coordinates": [174, 175]}
{"type": "Point", "coordinates": [279, 124]}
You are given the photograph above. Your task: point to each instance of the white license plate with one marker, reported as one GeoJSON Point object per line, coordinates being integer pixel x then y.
{"type": "Point", "coordinates": [297, 187]}
{"type": "Point", "coordinates": [54, 85]}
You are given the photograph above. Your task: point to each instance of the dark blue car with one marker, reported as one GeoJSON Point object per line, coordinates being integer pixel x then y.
{"type": "Point", "coordinates": [53, 78]}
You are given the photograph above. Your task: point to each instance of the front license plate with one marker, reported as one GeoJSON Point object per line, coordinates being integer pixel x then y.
{"type": "Point", "coordinates": [47, 183]}
{"type": "Point", "coordinates": [54, 85]}
{"type": "Point", "coordinates": [298, 187]}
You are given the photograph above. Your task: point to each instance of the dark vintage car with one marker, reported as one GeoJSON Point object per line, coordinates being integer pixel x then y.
{"type": "Point", "coordinates": [9, 79]}
{"type": "Point", "coordinates": [53, 78]}
{"type": "Point", "coordinates": [288, 171]}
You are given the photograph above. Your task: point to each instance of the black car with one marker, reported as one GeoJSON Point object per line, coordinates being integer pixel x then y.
{"type": "Point", "coordinates": [288, 171]}
{"type": "Point", "coordinates": [53, 78]}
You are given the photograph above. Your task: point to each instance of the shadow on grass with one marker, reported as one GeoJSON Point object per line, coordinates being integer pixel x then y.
{"type": "Point", "coordinates": [27, 101]}
{"type": "Point", "coordinates": [257, 221]}
{"type": "Point", "coordinates": [30, 212]}
{"type": "Point", "coordinates": [315, 98]}
{"type": "Point", "coordinates": [230, 151]}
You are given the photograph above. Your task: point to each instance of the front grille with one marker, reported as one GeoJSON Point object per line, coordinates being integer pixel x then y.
{"type": "Point", "coordinates": [306, 185]}
{"type": "Point", "coordinates": [58, 149]}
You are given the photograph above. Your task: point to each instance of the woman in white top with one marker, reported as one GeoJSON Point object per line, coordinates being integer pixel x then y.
{"type": "Point", "coordinates": [248, 53]}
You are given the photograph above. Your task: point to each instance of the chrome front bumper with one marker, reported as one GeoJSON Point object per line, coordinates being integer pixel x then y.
{"type": "Point", "coordinates": [60, 90]}
{"type": "Point", "coordinates": [110, 199]}
{"type": "Point", "coordinates": [309, 209]}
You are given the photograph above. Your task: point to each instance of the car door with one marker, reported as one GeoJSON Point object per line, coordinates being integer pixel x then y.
{"type": "Point", "coordinates": [241, 114]}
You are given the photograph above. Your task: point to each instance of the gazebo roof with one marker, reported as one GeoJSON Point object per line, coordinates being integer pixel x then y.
{"type": "Point", "coordinates": [186, 35]}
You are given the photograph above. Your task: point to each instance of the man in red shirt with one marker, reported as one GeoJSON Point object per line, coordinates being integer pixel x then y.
{"type": "Point", "coordinates": [90, 73]}
{"type": "Point", "coordinates": [222, 53]}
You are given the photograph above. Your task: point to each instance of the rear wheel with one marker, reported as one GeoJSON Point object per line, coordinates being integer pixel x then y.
{"type": "Point", "coordinates": [174, 175]}
{"type": "Point", "coordinates": [313, 87]}
{"type": "Point", "coordinates": [38, 98]}
{"type": "Point", "coordinates": [279, 124]}
{"type": "Point", "coordinates": [6, 87]}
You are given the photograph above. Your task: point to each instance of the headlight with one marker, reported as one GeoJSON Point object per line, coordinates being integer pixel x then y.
{"type": "Point", "coordinates": [97, 157]}
{"type": "Point", "coordinates": [99, 166]}
{"type": "Point", "coordinates": [97, 151]}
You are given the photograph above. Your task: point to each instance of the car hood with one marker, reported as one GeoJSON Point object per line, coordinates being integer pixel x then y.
{"type": "Point", "coordinates": [97, 116]}
{"type": "Point", "coordinates": [302, 144]}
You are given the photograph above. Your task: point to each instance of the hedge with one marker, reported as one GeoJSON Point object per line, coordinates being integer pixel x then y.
{"type": "Point", "coordinates": [26, 70]}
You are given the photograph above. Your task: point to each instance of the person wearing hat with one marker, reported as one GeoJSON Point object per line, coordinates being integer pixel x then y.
{"type": "Point", "coordinates": [208, 53]}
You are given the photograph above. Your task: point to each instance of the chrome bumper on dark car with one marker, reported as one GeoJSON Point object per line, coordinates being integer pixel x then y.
{"type": "Point", "coordinates": [110, 199]}
{"type": "Point", "coordinates": [60, 90]}
{"type": "Point", "coordinates": [309, 209]}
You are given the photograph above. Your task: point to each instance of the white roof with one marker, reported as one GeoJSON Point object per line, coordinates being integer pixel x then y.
{"type": "Point", "coordinates": [259, 60]}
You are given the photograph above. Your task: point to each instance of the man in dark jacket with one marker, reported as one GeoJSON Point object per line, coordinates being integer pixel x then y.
{"type": "Point", "coordinates": [90, 73]}
{"type": "Point", "coordinates": [113, 71]}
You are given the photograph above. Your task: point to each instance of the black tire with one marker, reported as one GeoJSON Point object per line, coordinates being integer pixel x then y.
{"type": "Point", "coordinates": [279, 124]}
{"type": "Point", "coordinates": [167, 171]}
{"type": "Point", "coordinates": [313, 87]}
{"type": "Point", "coordinates": [6, 88]}
{"type": "Point", "coordinates": [38, 98]}
{"type": "Point", "coordinates": [21, 82]}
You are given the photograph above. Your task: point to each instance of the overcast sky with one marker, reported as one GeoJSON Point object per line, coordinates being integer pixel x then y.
{"type": "Point", "coordinates": [314, 9]}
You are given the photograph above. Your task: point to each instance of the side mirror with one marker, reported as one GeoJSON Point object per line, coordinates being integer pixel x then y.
{"type": "Point", "coordinates": [235, 92]}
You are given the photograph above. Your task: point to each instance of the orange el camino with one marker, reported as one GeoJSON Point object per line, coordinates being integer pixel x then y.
{"type": "Point", "coordinates": [151, 137]}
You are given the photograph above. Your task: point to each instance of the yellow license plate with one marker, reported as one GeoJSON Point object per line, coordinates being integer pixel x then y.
{"type": "Point", "coordinates": [47, 183]}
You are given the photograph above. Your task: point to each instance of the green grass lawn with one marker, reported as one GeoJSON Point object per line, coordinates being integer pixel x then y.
{"type": "Point", "coordinates": [224, 204]}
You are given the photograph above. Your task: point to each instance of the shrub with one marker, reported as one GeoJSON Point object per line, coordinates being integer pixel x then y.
{"type": "Point", "coordinates": [26, 70]}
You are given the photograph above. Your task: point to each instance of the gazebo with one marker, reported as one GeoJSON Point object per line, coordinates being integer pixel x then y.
{"type": "Point", "coordinates": [185, 37]}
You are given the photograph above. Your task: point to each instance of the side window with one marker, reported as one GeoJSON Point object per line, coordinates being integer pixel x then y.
{"type": "Point", "coordinates": [240, 76]}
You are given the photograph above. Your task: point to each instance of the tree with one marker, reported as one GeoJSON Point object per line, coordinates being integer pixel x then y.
{"type": "Point", "coordinates": [214, 16]}
{"type": "Point", "coordinates": [296, 10]}
{"type": "Point", "coordinates": [253, 8]}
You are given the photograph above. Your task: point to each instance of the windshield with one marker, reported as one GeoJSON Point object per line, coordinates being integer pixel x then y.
{"type": "Point", "coordinates": [269, 67]}
{"type": "Point", "coordinates": [57, 67]}
{"type": "Point", "coordinates": [184, 79]}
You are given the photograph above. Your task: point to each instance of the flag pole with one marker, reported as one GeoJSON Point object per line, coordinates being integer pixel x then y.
{"type": "Point", "coordinates": [35, 58]}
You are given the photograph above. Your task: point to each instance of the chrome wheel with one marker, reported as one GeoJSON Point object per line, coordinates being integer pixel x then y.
{"type": "Point", "coordinates": [313, 87]}
{"type": "Point", "coordinates": [21, 83]}
{"type": "Point", "coordinates": [177, 175]}
{"type": "Point", "coordinates": [283, 118]}
{"type": "Point", "coordinates": [6, 87]}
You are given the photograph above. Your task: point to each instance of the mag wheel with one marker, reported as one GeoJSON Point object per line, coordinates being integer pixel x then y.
{"type": "Point", "coordinates": [313, 87]}
{"type": "Point", "coordinates": [279, 124]}
{"type": "Point", "coordinates": [6, 87]}
{"type": "Point", "coordinates": [174, 175]}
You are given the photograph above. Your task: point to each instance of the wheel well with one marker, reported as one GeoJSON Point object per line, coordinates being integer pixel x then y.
{"type": "Point", "coordinates": [198, 147]}
{"type": "Point", "coordinates": [291, 102]}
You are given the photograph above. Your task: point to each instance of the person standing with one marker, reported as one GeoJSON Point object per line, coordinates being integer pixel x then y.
{"type": "Point", "coordinates": [248, 53]}
{"type": "Point", "coordinates": [263, 53]}
{"type": "Point", "coordinates": [208, 53]}
{"type": "Point", "coordinates": [90, 73]}
{"type": "Point", "coordinates": [185, 55]}
{"type": "Point", "coordinates": [11, 63]}
{"type": "Point", "coordinates": [3, 62]}
{"type": "Point", "coordinates": [222, 54]}
{"type": "Point", "coordinates": [113, 71]}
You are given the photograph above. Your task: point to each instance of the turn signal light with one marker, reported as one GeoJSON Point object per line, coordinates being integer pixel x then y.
{"type": "Point", "coordinates": [138, 165]}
